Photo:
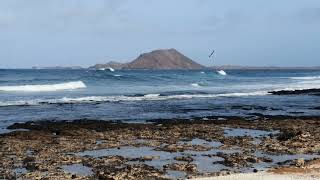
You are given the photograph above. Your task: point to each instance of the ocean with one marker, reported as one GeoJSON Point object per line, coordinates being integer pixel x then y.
{"type": "Point", "coordinates": [139, 95]}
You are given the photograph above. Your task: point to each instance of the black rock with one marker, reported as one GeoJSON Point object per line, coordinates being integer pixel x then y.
{"type": "Point", "coordinates": [297, 92]}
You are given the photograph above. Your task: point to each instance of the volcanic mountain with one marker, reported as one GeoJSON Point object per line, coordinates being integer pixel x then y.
{"type": "Point", "coordinates": [163, 59]}
{"type": "Point", "coordinates": [158, 59]}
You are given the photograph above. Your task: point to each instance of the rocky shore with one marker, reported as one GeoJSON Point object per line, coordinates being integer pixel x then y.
{"type": "Point", "coordinates": [314, 92]}
{"type": "Point", "coordinates": [160, 149]}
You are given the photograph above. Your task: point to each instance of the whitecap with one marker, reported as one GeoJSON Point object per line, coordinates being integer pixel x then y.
{"type": "Point", "coordinates": [222, 72]}
{"type": "Point", "coordinates": [200, 84]}
{"type": "Point", "coordinates": [301, 85]}
{"type": "Point", "coordinates": [306, 78]}
{"type": "Point", "coordinates": [147, 97]}
{"type": "Point", "coordinates": [111, 69]}
{"type": "Point", "coordinates": [152, 95]}
{"type": "Point", "coordinates": [45, 87]}
{"type": "Point", "coordinates": [195, 84]}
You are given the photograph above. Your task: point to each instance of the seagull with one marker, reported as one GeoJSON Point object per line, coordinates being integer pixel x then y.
{"type": "Point", "coordinates": [211, 54]}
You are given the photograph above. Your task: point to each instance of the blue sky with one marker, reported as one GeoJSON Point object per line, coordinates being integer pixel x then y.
{"type": "Point", "coordinates": [82, 32]}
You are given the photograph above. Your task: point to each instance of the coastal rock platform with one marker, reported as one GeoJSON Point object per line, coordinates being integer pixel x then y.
{"type": "Point", "coordinates": [159, 149]}
{"type": "Point", "coordinates": [315, 92]}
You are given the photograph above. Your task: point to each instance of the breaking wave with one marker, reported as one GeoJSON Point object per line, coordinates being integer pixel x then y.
{"type": "Point", "coordinates": [147, 97]}
{"type": "Point", "coordinates": [303, 85]}
{"type": "Point", "coordinates": [195, 85]}
{"type": "Point", "coordinates": [198, 84]}
{"type": "Point", "coordinates": [306, 78]}
{"type": "Point", "coordinates": [45, 87]}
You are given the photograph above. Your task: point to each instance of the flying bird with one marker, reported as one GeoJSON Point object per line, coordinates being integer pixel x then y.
{"type": "Point", "coordinates": [211, 54]}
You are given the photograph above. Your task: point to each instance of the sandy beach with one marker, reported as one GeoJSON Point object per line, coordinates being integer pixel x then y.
{"type": "Point", "coordinates": [261, 176]}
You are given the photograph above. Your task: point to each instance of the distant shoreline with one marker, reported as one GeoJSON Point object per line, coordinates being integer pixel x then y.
{"type": "Point", "coordinates": [264, 68]}
{"type": "Point", "coordinates": [205, 68]}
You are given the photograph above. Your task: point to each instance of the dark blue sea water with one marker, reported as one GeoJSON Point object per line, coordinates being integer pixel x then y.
{"type": "Point", "coordinates": [139, 95]}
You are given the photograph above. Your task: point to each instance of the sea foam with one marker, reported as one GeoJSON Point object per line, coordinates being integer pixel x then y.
{"type": "Point", "coordinates": [147, 97]}
{"type": "Point", "coordinates": [306, 78]}
{"type": "Point", "coordinates": [195, 85]}
{"type": "Point", "coordinates": [304, 84]}
{"type": "Point", "coordinates": [45, 87]}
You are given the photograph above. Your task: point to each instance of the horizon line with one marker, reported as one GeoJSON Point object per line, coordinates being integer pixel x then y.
{"type": "Point", "coordinates": [228, 66]}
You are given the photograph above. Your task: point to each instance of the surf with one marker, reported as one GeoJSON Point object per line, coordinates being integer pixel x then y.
{"type": "Point", "coordinates": [121, 98]}
{"type": "Point", "coordinates": [222, 72]}
{"type": "Point", "coordinates": [306, 78]}
{"type": "Point", "coordinates": [44, 87]}
{"type": "Point", "coordinates": [104, 69]}
{"type": "Point", "coordinates": [195, 85]}
{"type": "Point", "coordinates": [200, 84]}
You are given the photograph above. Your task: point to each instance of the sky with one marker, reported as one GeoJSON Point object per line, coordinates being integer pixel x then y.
{"type": "Point", "coordinates": [82, 32]}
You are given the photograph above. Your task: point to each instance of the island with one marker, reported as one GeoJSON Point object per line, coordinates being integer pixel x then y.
{"type": "Point", "coordinates": [158, 59]}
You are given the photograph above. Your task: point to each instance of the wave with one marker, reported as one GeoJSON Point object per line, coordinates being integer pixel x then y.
{"type": "Point", "coordinates": [152, 95]}
{"type": "Point", "coordinates": [195, 85]}
{"type": "Point", "coordinates": [302, 85]}
{"type": "Point", "coordinates": [296, 89]}
{"type": "Point", "coordinates": [306, 78]}
{"type": "Point", "coordinates": [146, 97]}
{"type": "Point", "coordinates": [222, 72]}
{"type": "Point", "coordinates": [46, 87]}
{"type": "Point", "coordinates": [198, 84]}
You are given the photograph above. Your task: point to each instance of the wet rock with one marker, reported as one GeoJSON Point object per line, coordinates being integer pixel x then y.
{"type": "Point", "coordinates": [266, 159]}
{"type": "Point", "coordinates": [28, 159]}
{"type": "Point", "coordinates": [183, 147]}
{"type": "Point", "coordinates": [297, 92]}
{"type": "Point", "coordinates": [150, 158]}
{"type": "Point", "coordinates": [235, 160]}
{"type": "Point", "coordinates": [305, 135]}
{"type": "Point", "coordinates": [298, 135]}
{"type": "Point", "coordinates": [299, 162]}
{"type": "Point", "coordinates": [184, 158]}
{"type": "Point", "coordinates": [252, 159]}
{"type": "Point", "coordinates": [187, 167]}
{"type": "Point", "coordinates": [286, 135]}
{"type": "Point", "coordinates": [136, 171]}
{"type": "Point", "coordinates": [29, 164]}
{"type": "Point", "coordinates": [242, 160]}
